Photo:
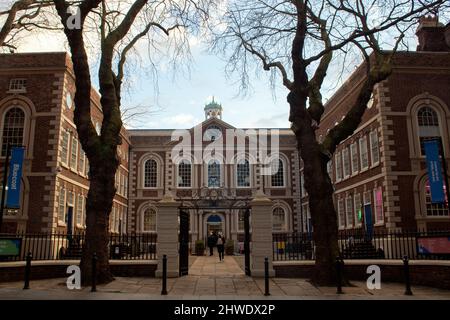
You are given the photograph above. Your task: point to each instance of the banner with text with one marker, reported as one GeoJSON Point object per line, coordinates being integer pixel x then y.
{"type": "Point", "coordinates": [434, 171]}
{"type": "Point", "coordinates": [14, 178]}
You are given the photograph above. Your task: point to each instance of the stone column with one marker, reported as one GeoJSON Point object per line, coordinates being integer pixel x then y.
{"type": "Point", "coordinates": [261, 226]}
{"type": "Point", "coordinates": [167, 229]}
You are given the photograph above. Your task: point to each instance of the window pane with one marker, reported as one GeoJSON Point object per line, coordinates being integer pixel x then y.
{"type": "Point", "coordinates": [346, 160]}
{"type": "Point", "coordinates": [243, 174]}
{"type": "Point", "coordinates": [355, 160]}
{"type": "Point", "coordinates": [149, 220]}
{"type": "Point", "coordinates": [435, 209]}
{"type": "Point", "coordinates": [279, 219]}
{"type": "Point", "coordinates": [184, 174]}
{"type": "Point", "coordinates": [214, 174]}
{"type": "Point", "coordinates": [349, 210]}
{"type": "Point", "coordinates": [13, 128]}
{"type": "Point", "coordinates": [150, 174]}
{"type": "Point", "coordinates": [374, 147]}
{"type": "Point", "coordinates": [277, 174]}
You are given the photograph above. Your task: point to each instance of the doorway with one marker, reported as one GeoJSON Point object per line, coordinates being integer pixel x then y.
{"type": "Point", "coordinates": [214, 224]}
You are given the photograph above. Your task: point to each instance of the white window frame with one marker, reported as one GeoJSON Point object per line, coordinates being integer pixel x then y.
{"type": "Point", "coordinates": [357, 205]}
{"type": "Point", "coordinates": [284, 226]}
{"type": "Point", "coordinates": [375, 206]}
{"type": "Point", "coordinates": [362, 144]}
{"type": "Point", "coordinates": [74, 152]}
{"type": "Point", "coordinates": [338, 166]}
{"type": "Point", "coordinates": [374, 141]}
{"type": "Point", "coordinates": [284, 164]}
{"type": "Point", "coordinates": [62, 206]}
{"type": "Point", "coordinates": [346, 168]}
{"type": "Point", "coordinates": [178, 175]}
{"type": "Point", "coordinates": [65, 161]}
{"type": "Point", "coordinates": [221, 173]}
{"type": "Point", "coordinates": [143, 222]}
{"type": "Point", "coordinates": [81, 161]}
{"type": "Point", "coordinates": [157, 174]}
{"type": "Point", "coordinates": [353, 157]}
{"type": "Point", "coordinates": [341, 213]}
{"type": "Point", "coordinates": [349, 211]}
{"type": "Point", "coordinates": [249, 174]}
{"type": "Point", "coordinates": [17, 85]}
{"type": "Point", "coordinates": [79, 211]}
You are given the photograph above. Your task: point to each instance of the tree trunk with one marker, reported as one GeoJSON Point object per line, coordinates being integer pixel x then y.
{"type": "Point", "coordinates": [320, 192]}
{"type": "Point", "coordinates": [98, 207]}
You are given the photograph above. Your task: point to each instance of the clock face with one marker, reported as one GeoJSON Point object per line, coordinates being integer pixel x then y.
{"type": "Point", "coordinates": [212, 133]}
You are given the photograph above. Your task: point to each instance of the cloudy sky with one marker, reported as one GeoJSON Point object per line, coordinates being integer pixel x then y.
{"type": "Point", "coordinates": [177, 101]}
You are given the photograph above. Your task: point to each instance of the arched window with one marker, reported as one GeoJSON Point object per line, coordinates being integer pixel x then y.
{"type": "Point", "coordinates": [243, 173]}
{"type": "Point", "coordinates": [277, 173]}
{"type": "Point", "coordinates": [149, 220]}
{"type": "Point", "coordinates": [214, 174]}
{"type": "Point", "coordinates": [184, 174]}
{"type": "Point", "coordinates": [279, 220]}
{"type": "Point", "coordinates": [428, 126]}
{"type": "Point", "coordinates": [150, 173]}
{"type": "Point", "coordinates": [13, 128]}
{"type": "Point", "coordinates": [435, 209]}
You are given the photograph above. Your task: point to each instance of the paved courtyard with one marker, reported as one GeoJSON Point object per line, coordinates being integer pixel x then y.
{"type": "Point", "coordinates": [210, 279]}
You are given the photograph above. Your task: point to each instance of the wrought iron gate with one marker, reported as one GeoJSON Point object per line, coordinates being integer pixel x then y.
{"type": "Point", "coordinates": [184, 242]}
{"type": "Point", "coordinates": [247, 241]}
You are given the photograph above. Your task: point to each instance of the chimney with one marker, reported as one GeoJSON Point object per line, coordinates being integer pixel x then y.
{"type": "Point", "coordinates": [432, 35]}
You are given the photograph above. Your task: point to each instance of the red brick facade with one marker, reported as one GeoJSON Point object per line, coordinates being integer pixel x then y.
{"type": "Point", "coordinates": [388, 171]}
{"type": "Point", "coordinates": [55, 172]}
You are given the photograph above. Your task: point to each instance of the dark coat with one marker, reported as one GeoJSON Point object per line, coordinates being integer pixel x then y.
{"type": "Point", "coordinates": [212, 240]}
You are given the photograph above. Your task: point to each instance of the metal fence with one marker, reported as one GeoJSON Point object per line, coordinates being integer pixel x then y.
{"type": "Point", "coordinates": [62, 246]}
{"type": "Point", "coordinates": [358, 244]}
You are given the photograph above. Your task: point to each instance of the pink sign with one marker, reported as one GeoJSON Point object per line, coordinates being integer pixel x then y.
{"type": "Point", "coordinates": [437, 245]}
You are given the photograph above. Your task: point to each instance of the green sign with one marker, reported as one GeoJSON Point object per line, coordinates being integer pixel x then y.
{"type": "Point", "coordinates": [359, 215]}
{"type": "Point", "coordinates": [10, 247]}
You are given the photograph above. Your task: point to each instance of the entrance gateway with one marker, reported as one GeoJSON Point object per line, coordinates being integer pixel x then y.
{"type": "Point", "coordinates": [172, 223]}
{"type": "Point", "coordinates": [213, 203]}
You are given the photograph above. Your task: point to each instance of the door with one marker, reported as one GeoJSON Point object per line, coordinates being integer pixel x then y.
{"type": "Point", "coordinates": [184, 243]}
{"type": "Point", "coordinates": [368, 221]}
{"type": "Point", "coordinates": [69, 223]}
{"type": "Point", "coordinates": [247, 241]}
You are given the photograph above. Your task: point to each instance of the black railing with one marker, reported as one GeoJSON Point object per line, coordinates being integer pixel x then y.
{"type": "Point", "coordinates": [61, 246]}
{"type": "Point", "coordinates": [358, 244]}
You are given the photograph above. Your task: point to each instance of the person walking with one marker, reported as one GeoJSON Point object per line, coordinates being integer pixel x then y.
{"type": "Point", "coordinates": [221, 247]}
{"type": "Point", "coordinates": [211, 243]}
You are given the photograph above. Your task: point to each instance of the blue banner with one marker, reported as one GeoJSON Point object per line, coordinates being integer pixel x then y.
{"type": "Point", "coordinates": [434, 171]}
{"type": "Point", "coordinates": [14, 177]}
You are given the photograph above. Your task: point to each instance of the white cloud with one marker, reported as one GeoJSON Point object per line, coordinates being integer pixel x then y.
{"type": "Point", "coordinates": [182, 120]}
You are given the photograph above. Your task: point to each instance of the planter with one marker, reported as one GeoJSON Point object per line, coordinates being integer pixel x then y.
{"type": "Point", "coordinates": [199, 248]}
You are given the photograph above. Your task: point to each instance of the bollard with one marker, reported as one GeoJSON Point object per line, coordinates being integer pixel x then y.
{"type": "Point", "coordinates": [408, 291]}
{"type": "Point", "coordinates": [94, 272]}
{"type": "Point", "coordinates": [28, 271]}
{"type": "Point", "coordinates": [164, 276]}
{"type": "Point", "coordinates": [339, 264]}
{"type": "Point", "coordinates": [266, 276]}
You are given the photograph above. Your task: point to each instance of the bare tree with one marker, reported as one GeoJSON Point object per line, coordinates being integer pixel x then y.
{"type": "Point", "coordinates": [297, 40]}
{"type": "Point", "coordinates": [119, 27]}
{"type": "Point", "coordinates": [23, 15]}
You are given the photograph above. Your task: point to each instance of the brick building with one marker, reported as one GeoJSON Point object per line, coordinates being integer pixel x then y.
{"type": "Point", "coordinates": [380, 171]}
{"type": "Point", "coordinates": [154, 173]}
{"type": "Point", "coordinates": [36, 108]}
